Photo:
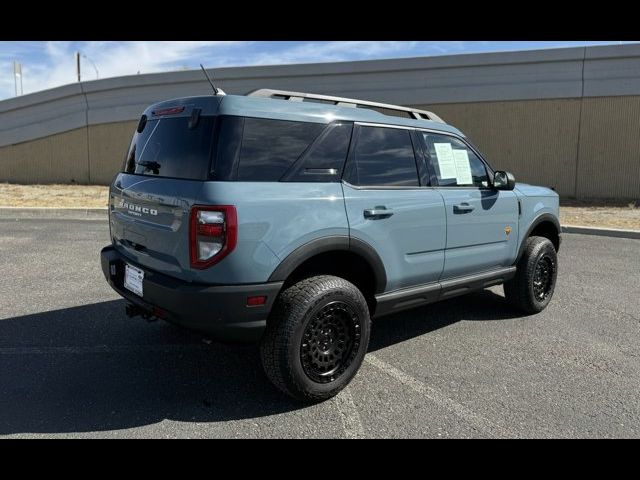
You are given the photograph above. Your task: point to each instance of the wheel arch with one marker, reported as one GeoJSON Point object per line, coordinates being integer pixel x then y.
{"type": "Point", "coordinates": [545, 225]}
{"type": "Point", "coordinates": [341, 246]}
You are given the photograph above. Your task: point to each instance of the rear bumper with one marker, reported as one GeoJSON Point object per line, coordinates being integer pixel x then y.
{"type": "Point", "coordinates": [220, 310]}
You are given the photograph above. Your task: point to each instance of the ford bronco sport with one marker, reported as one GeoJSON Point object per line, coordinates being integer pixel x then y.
{"type": "Point", "coordinates": [292, 219]}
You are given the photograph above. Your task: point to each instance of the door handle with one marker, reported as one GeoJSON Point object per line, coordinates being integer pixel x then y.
{"type": "Point", "coordinates": [463, 208]}
{"type": "Point", "coordinates": [378, 212]}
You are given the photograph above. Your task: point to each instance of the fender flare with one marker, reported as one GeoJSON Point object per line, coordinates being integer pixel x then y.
{"type": "Point", "coordinates": [329, 244]}
{"type": "Point", "coordinates": [545, 217]}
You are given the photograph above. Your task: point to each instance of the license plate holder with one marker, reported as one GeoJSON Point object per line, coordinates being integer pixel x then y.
{"type": "Point", "coordinates": [133, 278]}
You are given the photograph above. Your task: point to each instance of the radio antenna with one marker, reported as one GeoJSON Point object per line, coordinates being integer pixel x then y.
{"type": "Point", "coordinates": [216, 91]}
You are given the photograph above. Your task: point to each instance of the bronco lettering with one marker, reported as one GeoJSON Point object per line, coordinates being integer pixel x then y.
{"type": "Point", "coordinates": [133, 208]}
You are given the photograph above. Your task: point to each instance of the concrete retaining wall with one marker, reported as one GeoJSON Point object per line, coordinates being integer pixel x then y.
{"type": "Point", "coordinates": [567, 118]}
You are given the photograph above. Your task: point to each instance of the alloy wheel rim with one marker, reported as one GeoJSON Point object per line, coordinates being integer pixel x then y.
{"type": "Point", "coordinates": [330, 342]}
{"type": "Point", "coordinates": [543, 278]}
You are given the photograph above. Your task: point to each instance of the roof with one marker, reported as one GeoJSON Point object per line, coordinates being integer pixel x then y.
{"type": "Point", "coordinates": [262, 107]}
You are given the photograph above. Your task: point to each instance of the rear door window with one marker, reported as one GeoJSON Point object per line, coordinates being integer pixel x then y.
{"type": "Point", "coordinates": [384, 157]}
{"type": "Point", "coordinates": [167, 147]}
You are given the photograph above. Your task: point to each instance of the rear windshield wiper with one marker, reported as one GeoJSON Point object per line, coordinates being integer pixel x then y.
{"type": "Point", "coordinates": [155, 166]}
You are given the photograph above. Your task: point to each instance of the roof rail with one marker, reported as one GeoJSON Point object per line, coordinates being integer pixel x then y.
{"type": "Point", "coordinates": [343, 102]}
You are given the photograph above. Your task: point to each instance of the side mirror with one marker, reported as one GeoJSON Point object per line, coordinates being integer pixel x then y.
{"type": "Point", "coordinates": [504, 181]}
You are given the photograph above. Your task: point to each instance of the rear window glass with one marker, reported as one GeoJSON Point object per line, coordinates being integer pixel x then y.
{"type": "Point", "coordinates": [167, 147]}
{"type": "Point", "coordinates": [269, 147]}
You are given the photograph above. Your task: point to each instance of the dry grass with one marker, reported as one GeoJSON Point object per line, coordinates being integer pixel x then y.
{"type": "Point", "coordinates": [600, 213]}
{"type": "Point", "coordinates": [84, 196]}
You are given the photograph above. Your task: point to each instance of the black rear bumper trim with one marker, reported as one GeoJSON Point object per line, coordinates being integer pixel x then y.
{"type": "Point", "coordinates": [220, 310]}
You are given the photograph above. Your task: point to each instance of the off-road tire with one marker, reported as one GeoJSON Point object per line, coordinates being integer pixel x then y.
{"type": "Point", "coordinates": [525, 291]}
{"type": "Point", "coordinates": [285, 348]}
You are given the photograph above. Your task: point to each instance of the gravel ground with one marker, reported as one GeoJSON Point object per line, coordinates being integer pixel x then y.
{"type": "Point", "coordinates": [60, 196]}
{"type": "Point", "coordinates": [74, 366]}
{"type": "Point", "coordinates": [625, 217]}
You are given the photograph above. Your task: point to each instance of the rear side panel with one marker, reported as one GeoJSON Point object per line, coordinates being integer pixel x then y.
{"type": "Point", "coordinates": [274, 218]}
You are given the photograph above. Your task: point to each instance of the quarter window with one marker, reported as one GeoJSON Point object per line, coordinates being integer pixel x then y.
{"type": "Point", "coordinates": [269, 147]}
{"type": "Point", "coordinates": [384, 157]}
{"type": "Point", "coordinates": [323, 161]}
{"type": "Point", "coordinates": [455, 164]}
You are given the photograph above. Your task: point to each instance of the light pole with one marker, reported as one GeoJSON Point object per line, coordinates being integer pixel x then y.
{"type": "Point", "coordinates": [93, 64]}
{"type": "Point", "coordinates": [78, 55]}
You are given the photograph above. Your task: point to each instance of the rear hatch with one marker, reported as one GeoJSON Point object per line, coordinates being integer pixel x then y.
{"type": "Point", "coordinates": [150, 200]}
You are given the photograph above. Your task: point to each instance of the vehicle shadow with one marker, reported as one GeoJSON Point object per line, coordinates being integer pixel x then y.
{"type": "Point", "coordinates": [484, 305]}
{"type": "Point", "coordinates": [92, 369]}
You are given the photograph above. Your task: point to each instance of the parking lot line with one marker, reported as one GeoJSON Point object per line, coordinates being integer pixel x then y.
{"type": "Point", "coordinates": [349, 415]}
{"type": "Point", "coordinates": [485, 426]}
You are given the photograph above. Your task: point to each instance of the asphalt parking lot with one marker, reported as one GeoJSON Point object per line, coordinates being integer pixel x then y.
{"type": "Point", "coordinates": [73, 365]}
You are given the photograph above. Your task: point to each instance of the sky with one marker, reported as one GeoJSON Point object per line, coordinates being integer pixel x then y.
{"type": "Point", "coordinates": [51, 64]}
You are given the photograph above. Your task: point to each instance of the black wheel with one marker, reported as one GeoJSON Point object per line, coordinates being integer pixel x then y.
{"type": "Point", "coordinates": [316, 338]}
{"type": "Point", "coordinates": [532, 287]}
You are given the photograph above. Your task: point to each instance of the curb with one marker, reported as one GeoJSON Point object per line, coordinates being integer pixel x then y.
{"type": "Point", "coordinates": [53, 212]}
{"type": "Point", "coordinates": [604, 232]}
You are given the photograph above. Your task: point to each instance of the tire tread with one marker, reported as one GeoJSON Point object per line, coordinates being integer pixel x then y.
{"type": "Point", "coordinates": [288, 310]}
{"type": "Point", "coordinates": [517, 290]}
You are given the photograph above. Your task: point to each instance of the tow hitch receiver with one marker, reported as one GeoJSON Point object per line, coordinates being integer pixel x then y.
{"type": "Point", "coordinates": [134, 310]}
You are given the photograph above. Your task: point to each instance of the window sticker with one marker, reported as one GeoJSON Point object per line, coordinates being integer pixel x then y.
{"type": "Point", "coordinates": [444, 154]}
{"type": "Point", "coordinates": [463, 167]}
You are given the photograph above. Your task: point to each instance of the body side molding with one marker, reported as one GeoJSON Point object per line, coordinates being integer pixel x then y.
{"type": "Point", "coordinates": [410, 297]}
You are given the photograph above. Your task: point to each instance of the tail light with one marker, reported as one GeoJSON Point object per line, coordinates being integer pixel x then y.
{"type": "Point", "coordinates": [213, 234]}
